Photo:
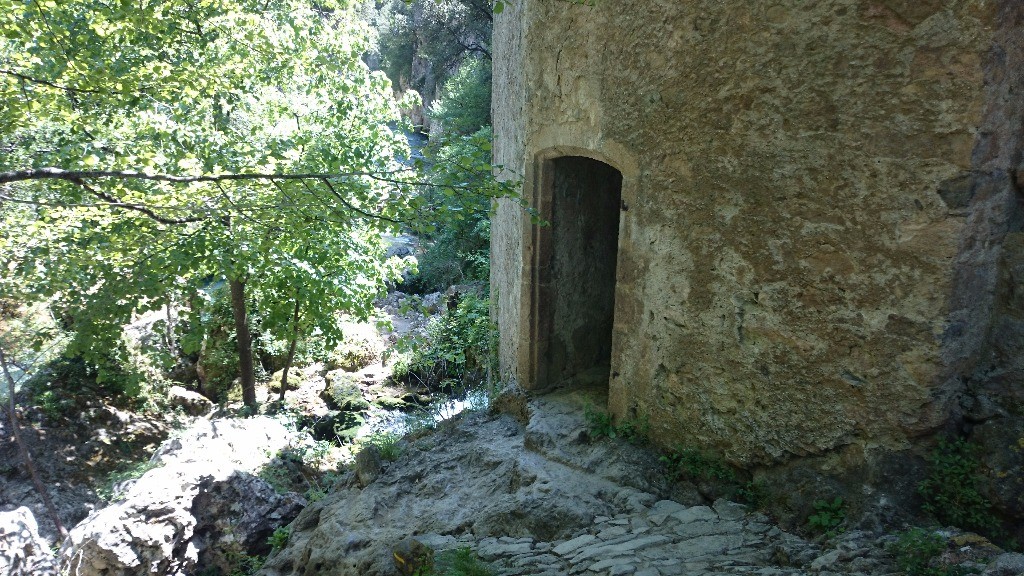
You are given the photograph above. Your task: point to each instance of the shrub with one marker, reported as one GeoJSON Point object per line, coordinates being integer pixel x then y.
{"type": "Point", "coordinates": [465, 103]}
{"type": "Point", "coordinates": [917, 553]}
{"type": "Point", "coordinates": [60, 388]}
{"type": "Point", "coordinates": [457, 208]}
{"type": "Point", "coordinates": [828, 516]}
{"type": "Point", "coordinates": [695, 465]}
{"type": "Point", "coordinates": [456, 351]}
{"type": "Point", "coordinates": [950, 490]}
{"type": "Point", "coordinates": [387, 444]}
{"type": "Point", "coordinates": [753, 493]}
{"type": "Point", "coordinates": [279, 538]}
{"type": "Point", "coordinates": [602, 424]}
{"type": "Point", "coordinates": [353, 353]}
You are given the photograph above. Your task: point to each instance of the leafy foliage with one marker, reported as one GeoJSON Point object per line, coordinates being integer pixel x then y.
{"type": "Point", "coordinates": [458, 562]}
{"type": "Point", "coordinates": [950, 490]}
{"type": "Point", "coordinates": [60, 387]}
{"type": "Point", "coordinates": [387, 444]}
{"type": "Point", "coordinates": [441, 32]}
{"type": "Point", "coordinates": [279, 538]}
{"type": "Point", "coordinates": [602, 425]}
{"type": "Point", "coordinates": [190, 127]}
{"type": "Point", "coordinates": [693, 464]}
{"type": "Point", "coordinates": [457, 348]}
{"type": "Point", "coordinates": [917, 553]}
{"type": "Point", "coordinates": [828, 516]}
{"type": "Point", "coordinates": [465, 103]}
{"type": "Point", "coordinates": [458, 245]}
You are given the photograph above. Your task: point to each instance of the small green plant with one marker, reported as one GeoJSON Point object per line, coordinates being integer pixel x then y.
{"type": "Point", "coordinates": [277, 476]}
{"type": "Point", "coordinates": [602, 424]}
{"type": "Point", "coordinates": [828, 516]}
{"type": "Point", "coordinates": [279, 538]}
{"type": "Point", "coordinates": [245, 565]}
{"type": "Point", "coordinates": [459, 562]}
{"type": "Point", "coordinates": [634, 431]}
{"type": "Point", "coordinates": [915, 549]}
{"type": "Point", "coordinates": [693, 464]}
{"type": "Point", "coordinates": [950, 490]}
{"type": "Point", "coordinates": [917, 553]}
{"type": "Point", "coordinates": [387, 444]}
{"type": "Point", "coordinates": [753, 493]}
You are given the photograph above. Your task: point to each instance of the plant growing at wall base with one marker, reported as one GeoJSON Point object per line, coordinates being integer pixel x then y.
{"type": "Point", "coordinates": [917, 553]}
{"type": "Point", "coordinates": [693, 464]}
{"type": "Point", "coordinates": [753, 493]}
{"type": "Point", "coordinates": [458, 562]}
{"type": "Point", "coordinates": [950, 490]}
{"type": "Point", "coordinates": [828, 516]}
{"type": "Point", "coordinates": [602, 425]}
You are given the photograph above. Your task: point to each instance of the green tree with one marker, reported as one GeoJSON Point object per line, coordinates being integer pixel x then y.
{"type": "Point", "coordinates": [420, 44]}
{"type": "Point", "coordinates": [465, 103]}
{"type": "Point", "coordinates": [154, 146]}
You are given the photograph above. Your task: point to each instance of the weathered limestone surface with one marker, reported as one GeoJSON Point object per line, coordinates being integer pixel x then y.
{"type": "Point", "coordinates": [198, 510]}
{"type": "Point", "coordinates": [509, 222]}
{"type": "Point", "coordinates": [821, 211]}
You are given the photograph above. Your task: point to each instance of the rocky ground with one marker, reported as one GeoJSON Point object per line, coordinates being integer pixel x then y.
{"type": "Point", "coordinates": [527, 488]}
{"type": "Point", "coordinates": [526, 485]}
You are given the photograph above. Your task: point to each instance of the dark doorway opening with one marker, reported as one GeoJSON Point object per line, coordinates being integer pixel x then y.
{"type": "Point", "coordinates": [578, 293]}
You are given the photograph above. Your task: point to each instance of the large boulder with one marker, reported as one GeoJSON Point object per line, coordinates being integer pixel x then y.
{"type": "Point", "coordinates": [190, 402]}
{"type": "Point", "coordinates": [22, 551]}
{"type": "Point", "coordinates": [200, 508]}
{"type": "Point", "coordinates": [344, 392]}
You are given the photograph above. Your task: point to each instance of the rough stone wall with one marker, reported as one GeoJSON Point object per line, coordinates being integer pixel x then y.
{"type": "Point", "coordinates": [509, 222]}
{"type": "Point", "coordinates": [820, 208]}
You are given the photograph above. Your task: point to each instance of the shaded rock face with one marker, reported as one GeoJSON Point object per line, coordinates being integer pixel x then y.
{"type": "Point", "coordinates": [238, 515]}
{"type": "Point", "coordinates": [820, 208]}
{"type": "Point", "coordinates": [22, 551]}
{"type": "Point", "coordinates": [196, 509]}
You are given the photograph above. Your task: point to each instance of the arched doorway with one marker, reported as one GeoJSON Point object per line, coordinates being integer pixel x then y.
{"type": "Point", "coordinates": [574, 269]}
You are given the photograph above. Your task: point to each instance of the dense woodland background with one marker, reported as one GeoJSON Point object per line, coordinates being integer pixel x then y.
{"type": "Point", "coordinates": [234, 164]}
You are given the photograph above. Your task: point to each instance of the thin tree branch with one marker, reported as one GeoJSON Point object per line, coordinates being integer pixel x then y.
{"type": "Point", "coordinates": [74, 175]}
{"type": "Point", "coordinates": [136, 207]}
{"type": "Point", "coordinates": [26, 456]}
{"type": "Point", "coordinates": [47, 83]}
{"type": "Point", "coordinates": [349, 205]}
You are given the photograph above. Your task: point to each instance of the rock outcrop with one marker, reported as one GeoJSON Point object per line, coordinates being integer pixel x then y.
{"type": "Point", "coordinates": [200, 506]}
{"type": "Point", "coordinates": [22, 551]}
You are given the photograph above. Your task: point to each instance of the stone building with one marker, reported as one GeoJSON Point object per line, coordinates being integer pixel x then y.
{"type": "Point", "coordinates": [784, 231]}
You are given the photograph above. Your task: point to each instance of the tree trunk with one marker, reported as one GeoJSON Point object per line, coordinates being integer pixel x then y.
{"type": "Point", "coordinates": [26, 456]}
{"type": "Point", "coordinates": [291, 350]}
{"type": "Point", "coordinates": [172, 348]}
{"type": "Point", "coordinates": [244, 339]}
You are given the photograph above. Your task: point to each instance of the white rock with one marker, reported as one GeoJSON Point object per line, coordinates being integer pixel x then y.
{"type": "Point", "coordinates": [22, 551]}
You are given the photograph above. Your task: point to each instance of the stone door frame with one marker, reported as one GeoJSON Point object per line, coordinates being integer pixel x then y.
{"type": "Point", "coordinates": [538, 297]}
